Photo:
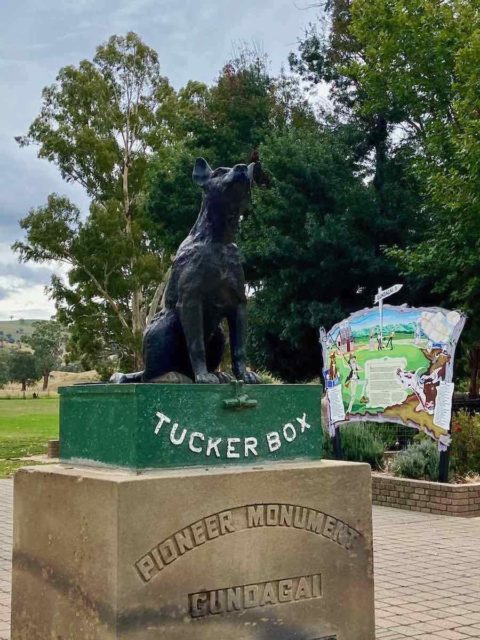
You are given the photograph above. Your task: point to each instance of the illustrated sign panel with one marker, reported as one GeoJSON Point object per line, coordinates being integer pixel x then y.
{"type": "Point", "coordinates": [393, 364]}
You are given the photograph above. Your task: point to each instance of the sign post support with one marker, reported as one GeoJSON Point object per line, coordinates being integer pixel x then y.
{"type": "Point", "coordinates": [380, 308]}
{"type": "Point", "coordinates": [337, 445]}
{"type": "Point", "coordinates": [444, 465]}
{"type": "Point", "coordinates": [444, 462]}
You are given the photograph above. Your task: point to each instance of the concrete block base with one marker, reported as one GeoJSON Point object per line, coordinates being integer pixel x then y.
{"type": "Point", "coordinates": [281, 553]}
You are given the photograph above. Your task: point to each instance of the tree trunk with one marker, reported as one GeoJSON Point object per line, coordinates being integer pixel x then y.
{"type": "Point", "coordinates": [24, 388]}
{"type": "Point", "coordinates": [137, 320]}
{"type": "Point", "coordinates": [380, 138]}
{"type": "Point", "coordinates": [156, 299]}
{"type": "Point", "coordinates": [137, 327]}
{"type": "Point", "coordinates": [46, 376]}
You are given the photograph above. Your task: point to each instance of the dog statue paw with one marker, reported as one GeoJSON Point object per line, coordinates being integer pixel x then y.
{"type": "Point", "coordinates": [224, 378]}
{"type": "Point", "coordinates": [206, 378]}
{"type": "Point", "coordinates": [250, 377]}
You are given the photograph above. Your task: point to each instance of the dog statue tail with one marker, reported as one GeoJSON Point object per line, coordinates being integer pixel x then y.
{"type": "Point", "coordinates": [123, 378]}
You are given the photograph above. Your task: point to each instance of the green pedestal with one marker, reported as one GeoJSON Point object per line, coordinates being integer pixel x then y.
{"type": "Point", "coordinates": [152, 426]}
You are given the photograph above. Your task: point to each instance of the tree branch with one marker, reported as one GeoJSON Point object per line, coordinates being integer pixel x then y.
{"type": "Point", "coordinates": [108, 298]}
{"type": "Point", "coordinates": [155, 300]}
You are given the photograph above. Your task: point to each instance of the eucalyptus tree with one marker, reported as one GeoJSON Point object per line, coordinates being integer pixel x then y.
{"type": "Point", "coordinates": [99, 123]}
{"type": "Point", "coordinates": [48, 342]}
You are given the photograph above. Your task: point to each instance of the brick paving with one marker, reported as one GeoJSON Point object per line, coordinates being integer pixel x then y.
{"type": "Point", "coordinates": [427, 573]}
{"type": "Point", "coordinates": [427, 576]}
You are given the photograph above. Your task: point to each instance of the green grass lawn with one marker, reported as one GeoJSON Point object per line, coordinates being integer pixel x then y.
{"type": "Point", "coordinates": [25, 428]}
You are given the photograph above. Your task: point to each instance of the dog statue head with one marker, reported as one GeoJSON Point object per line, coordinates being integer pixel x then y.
{"type": "Point", "coordinates": [226, 195]}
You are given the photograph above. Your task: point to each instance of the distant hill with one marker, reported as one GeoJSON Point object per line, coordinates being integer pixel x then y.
{"type": "Point", "coordinates": [408, 328]}
{"type": "Point", "coordinates": [15, 328]}
{"type": "Point", "coordinates": [58, 379]}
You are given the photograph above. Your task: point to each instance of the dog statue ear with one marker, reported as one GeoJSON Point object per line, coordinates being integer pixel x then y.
{"type": "Point", "coordinates": [250, 171]}
{"type": "Point", "coordinates": [201, 172]}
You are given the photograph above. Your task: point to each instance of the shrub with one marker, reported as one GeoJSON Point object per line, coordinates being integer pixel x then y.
{"type": "Point", "coordinates": [386, 433]}
{"type": "Point", "coordinates": [409, 464]}
{"type": "Point", "coordinates": [465, 447]}
{"type": "Point", "coordinates": [392, 435]}
{"type": "Point", "coordinates": [105, 369]}
{"type": "Point", "coordinates": [327, 447]}
{"type": "Point", "coordinates": [360, 444]}
{"type": "Point", "coordinates": [268, 378]}
{"type": "Point", "coordinates": [419, 461]}
{"type": "Point", "coordinates": [431, 454]}
{"type": "Point", "coordinates": [4, 368]}
{"type": "Point", "coordinates": [72, 367]}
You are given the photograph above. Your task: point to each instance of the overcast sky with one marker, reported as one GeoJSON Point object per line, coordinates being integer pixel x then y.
{"type": "Point", "coordinates": [37, 37]}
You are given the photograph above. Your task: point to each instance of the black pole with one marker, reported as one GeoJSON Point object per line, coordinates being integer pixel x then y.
{"type": "Point", "coordinates": [444, 465]}
{"type": "Point", "coordinates": [337, 445]}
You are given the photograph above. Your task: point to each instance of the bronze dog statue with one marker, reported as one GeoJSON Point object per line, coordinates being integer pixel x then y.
{"type": "Point", "coordinates": [206, 284]}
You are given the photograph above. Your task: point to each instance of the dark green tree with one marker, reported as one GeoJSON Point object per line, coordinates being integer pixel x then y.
{"type": "Point", "coordinates": [224, 123]}
{"type": "Point", "coordinates": [422, 59]}
{"type": "Point", "coordinates": [235, 114]}
{"type": "Point", "coordinates": [312, 247]}
{"type": "Point", "coordinates": [415, 64]}
{"type": "Point", "coordinates": [23, 369]}
{"type": "Point", "coordinates": [4, 368]}
{"type": "Point", "coordinates": [327, 50]}
{"type": "Point", "coordinates": [47, 341]}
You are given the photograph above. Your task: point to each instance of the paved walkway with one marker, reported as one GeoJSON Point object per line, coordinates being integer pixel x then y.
{"type": "Point", "coordinates": [427, 573]}
{"type": "Point", "coordinates": [427, 576]}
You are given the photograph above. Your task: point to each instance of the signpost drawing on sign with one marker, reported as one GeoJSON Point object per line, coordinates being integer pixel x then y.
{"type": "Point", "coordinates": [379, 298]}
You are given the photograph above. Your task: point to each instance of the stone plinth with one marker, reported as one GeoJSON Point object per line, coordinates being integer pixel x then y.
{"type": "Point", "coordinates": [151, 426]}
{"type": "Point", "coordinates": [281, 553]}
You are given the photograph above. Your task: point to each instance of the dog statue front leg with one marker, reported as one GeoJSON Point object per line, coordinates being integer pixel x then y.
{"type": "Point", "coordinates": [237, 326]}
{"type": "Point", "coordinates": [191, 318]}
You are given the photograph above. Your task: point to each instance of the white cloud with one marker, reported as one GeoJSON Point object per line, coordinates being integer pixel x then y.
{"type": "Point", "coordinates": [26, 302]}
{"type": "Point", "coordinates": [22, 287]}
{"type": "Point", "coordinates": [194, 39]}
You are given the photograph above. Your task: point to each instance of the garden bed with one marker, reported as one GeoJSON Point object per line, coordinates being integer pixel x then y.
{"type": "Point", "coordinates": [431, 497]}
